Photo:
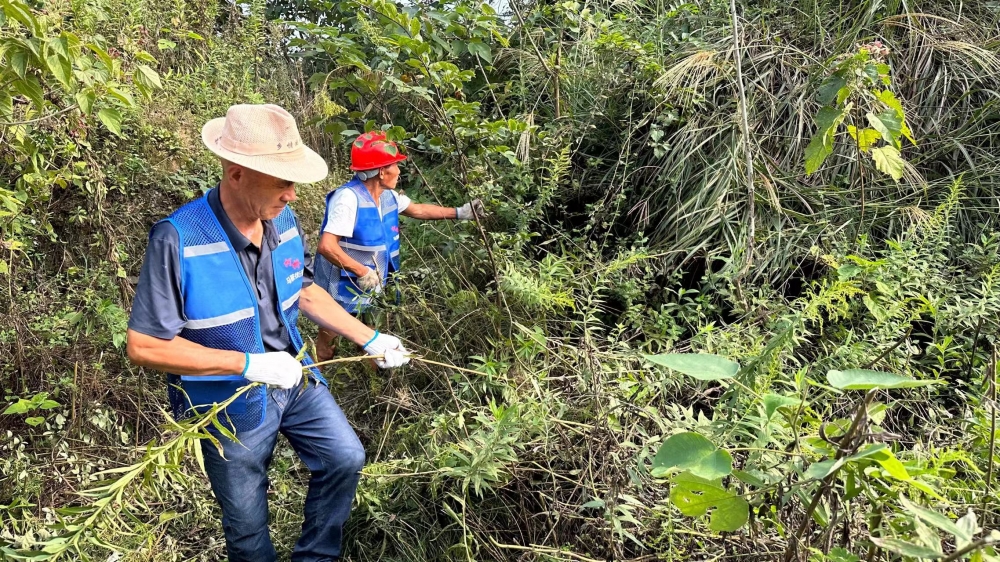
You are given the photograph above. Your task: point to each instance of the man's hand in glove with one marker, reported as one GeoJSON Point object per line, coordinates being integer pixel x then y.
{"type": "Point", "coordinates": [464, 213]}
{"type": "Point", "coordinates": [370, 282]}
{"type": "Point", "coordinates": [390, 348]}
{"type": "Point", "coordinates": [276, 368]}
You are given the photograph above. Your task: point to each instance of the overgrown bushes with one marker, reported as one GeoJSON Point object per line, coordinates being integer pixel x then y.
{"type": "Point", "coordinates": [607, 141]}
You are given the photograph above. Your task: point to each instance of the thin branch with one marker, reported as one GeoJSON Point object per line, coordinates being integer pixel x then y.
{"type": "Point", "coordinates": [751, 204]}
{"type": "Point", "coordinates": [38, 119]}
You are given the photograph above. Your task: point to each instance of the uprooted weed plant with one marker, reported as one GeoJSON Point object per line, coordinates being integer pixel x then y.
{"type": "Point", "coordinates": [735, 296]}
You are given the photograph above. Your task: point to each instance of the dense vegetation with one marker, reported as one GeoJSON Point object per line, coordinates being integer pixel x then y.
{"type": "Point", "coordinates": [736, 296]}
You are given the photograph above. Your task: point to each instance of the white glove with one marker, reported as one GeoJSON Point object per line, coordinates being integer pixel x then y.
{"type": "Point", "coordinates": [392, 350]}
{"type": "Point", "coordinates": [276, 368]}
{"type": "Point", "coordinates": [370, 282]}
{"type": "Point", "coordinates": [464, 212]}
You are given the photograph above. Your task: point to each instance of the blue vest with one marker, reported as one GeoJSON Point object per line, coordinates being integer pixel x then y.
{"type": "Point", "coordinates": [220, 304]}
{"type": "Point", "coordinates": [374, 243]}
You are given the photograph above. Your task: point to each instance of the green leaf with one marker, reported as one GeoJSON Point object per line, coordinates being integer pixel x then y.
{"type": "Point", "coordinates": [866, 139]}
{"type": "Point", "coordinates": [892, 465]}
{"type": "Point", "coordinates": [821, 145]}
{"type": "Point", "coordinates": [414, 27]}
{"type": "Point", "coordinates": [480, 49]}
{"type": "Point", "coordinates": [4, 269]}
{"type": "Point", "coordinates": [19, 62]}
{"type": "Point", "coordinates": [702, 366]}
{"type": "Point", "coordinates": [889, 162]}
{"type": "Point", "coordinates": [862, 379]}
{"type": "Point", "coordinates": [822, 469]}
{"type": "Point", "coordinates": [840, 554]}
{"type": "Point", "coordinates": [60, 45]}
{"type": "Point", "coordinates": [35, 421]}
{"type": "Point", "coordinates": [905, 548]}
{"type": "Point", "coordinates": [122, 96]}
{"type": "Point", "coordinates": [6, 105]}
{"type": "Point", "coordinates": [692, 452]}
{"type": "Point", "coordinates": [145, 57]}
{"type": "Point", "coordinates": [774, 401]}
{"type": "Point", "coordinates": [694, 496]}
{"type": "Point", "coordinates": [60, 67]}
{"type": "Point", "coordinates": [85, 99]}
{"type": "Point", "coordinates": [102, 55]}
{"type": "Point", "coordinates": [20, 407]}
{"type": "Point", "coordinates": [829, 89]}
{"type": "Point", "coordinates": [149, 76]}
{"type": "Point", "coordinates": [888, 98]}
{"type": "Point", "coordinates": [31, 89]}
{"type": "Point", "coordinates": [22, 13]}
{"type": "Point", "coordinates": [888, 124]}
{"type": "Point", "coordinates": [49, 404]}
{"type": "Point", "coordinates": [112, 119]}
{"type": "Point", "coordinates": [937, 520]}
{"type": "Point", "coordinates": [165, 44]}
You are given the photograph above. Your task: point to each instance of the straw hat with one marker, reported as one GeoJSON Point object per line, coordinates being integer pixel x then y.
{"type": "Point", "coordinates": [264, 138]}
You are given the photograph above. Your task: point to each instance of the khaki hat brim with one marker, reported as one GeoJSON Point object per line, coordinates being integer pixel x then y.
{"type": "Point", "coordinates": [300, 166]}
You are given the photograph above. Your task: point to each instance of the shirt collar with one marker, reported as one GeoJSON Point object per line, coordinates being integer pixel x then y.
{"type": "Point", "coordinates": [236, 238]}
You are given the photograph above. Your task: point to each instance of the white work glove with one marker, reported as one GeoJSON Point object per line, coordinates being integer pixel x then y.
{"type": "Point", "coordinates": [464, 213]}
{"type": "Point", "coordinates": [370, 282]}
{"type": "Point", "coordinates": [392, 350]}
{"type": "Point", "coordinates": [276, 368]}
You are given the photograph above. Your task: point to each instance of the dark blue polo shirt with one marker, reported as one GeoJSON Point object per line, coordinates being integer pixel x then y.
{"type": "Point", "coordinates": [158, 308]}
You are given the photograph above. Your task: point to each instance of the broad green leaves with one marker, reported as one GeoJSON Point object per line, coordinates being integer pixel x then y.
{"type": "Point", "coordinates": [30, 88]}
{"type": "Point", "coordinates": [925, 540]}
{"type": "Point", "coordinates": [112, 119]}
{"type": "Point", "coordinates": [695, 496]}
{"type": "Point", "coordinates": [694, 453]}
{"type": "Point", "coordinates": [697, 489]}
{"type": "Point", "coordinates": [702, 366]}
{"type": "Point", "coordinates": [821, 145]}
{"type": "Point", "coordinates": [865, 139]}
{"type": "Point", "coordinates": [39, 401]}
{"type": "Point", "coordinates": [862, 379]}
{"type": "Point", "coordinates": [860, 79]}
{"type": "Point", "coordinates": [889, 162]}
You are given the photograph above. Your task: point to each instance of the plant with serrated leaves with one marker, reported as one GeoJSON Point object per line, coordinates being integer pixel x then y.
{"type": "Point", "coordinates": [55, 79]}
{"type": "Point", "coordinates": [860, 85]}
{"type": "Point", "coordinates": [120, 493]}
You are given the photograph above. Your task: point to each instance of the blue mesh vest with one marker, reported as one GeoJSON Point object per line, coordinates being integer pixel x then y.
{"type": "Point", "coordinates": [374, 243]}
{"type": "Point", "coordinates": [221, 309]}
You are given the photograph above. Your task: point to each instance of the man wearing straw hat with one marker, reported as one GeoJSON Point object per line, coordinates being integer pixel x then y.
{"type": "Point", "coordinates": [222, 283]}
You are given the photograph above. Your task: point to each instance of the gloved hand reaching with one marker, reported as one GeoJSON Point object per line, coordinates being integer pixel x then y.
{"type": "Point", "coordinates": [392, 350]}
{"type": "Point", "coordinates": [277, 368]}
{"type": "Point", "coordinates": [464, 212]}
{"type": "Point", "coordinates": [370, 282]}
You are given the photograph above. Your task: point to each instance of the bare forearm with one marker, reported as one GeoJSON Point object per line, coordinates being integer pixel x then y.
{"type": "Point", "coordinates": [318, 306]}
{"type": "Point", "coordinates": [182, 357]}
{"type": "Point", "coordinates": [426, 211]}
{"type": "Point", "coordinates": [330, 249]}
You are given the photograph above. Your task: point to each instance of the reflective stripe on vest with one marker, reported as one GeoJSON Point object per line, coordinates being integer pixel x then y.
{"type": "Point", "coordinates": [374, 244]}
{"type": "Point", "coordinates": [220, 305]}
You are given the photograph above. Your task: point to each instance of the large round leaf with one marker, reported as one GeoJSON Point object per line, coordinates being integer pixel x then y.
{"type": "Point", "coordinates": [692, 452]}
{"type": "Point", "coordinates": [695, 496]}
{"type": "Point", "coordinates": [704, 366]}
{"type": "Point", "coordinates": [862, 379]}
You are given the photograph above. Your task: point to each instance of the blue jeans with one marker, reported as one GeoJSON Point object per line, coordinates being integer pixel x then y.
{"type": "Point", "coordinates": [320, 434]}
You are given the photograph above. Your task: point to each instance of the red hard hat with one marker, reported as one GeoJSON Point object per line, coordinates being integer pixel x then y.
{"type": "Point", "coordinates": [370, 151]}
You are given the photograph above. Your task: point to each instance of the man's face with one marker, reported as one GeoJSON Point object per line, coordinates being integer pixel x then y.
{"type": "Point", "coordinates": [266, 196]}
{"type": "Point", "coordinates": [388, 176]}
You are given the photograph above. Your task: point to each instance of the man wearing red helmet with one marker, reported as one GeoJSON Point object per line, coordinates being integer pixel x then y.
{"type": "Point", "coordinates": [359, 242]}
